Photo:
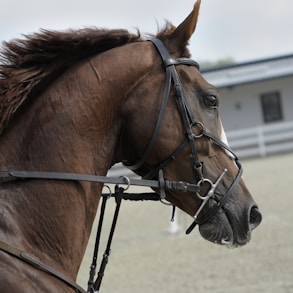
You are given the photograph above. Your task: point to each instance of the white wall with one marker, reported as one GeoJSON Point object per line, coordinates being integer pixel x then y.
{"type": "Point", "coordinates": [240, 106]}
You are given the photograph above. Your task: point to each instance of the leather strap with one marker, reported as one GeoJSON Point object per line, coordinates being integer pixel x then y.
{"type": "Point", "coordinates": [171, 75]}
{"type": "Point", "coordinates": [165, 184]}
{"type": "Point", "coordinates": [14, 251]}
{"type": "Point", "coordinates": [151, 143]}
{"type": "Point", "coordinates": [189, 121]}
{"type": "Point", "coordinates": [185, 110]}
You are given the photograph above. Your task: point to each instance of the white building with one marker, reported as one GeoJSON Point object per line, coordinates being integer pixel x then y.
{"type": "Point", "coordinates": [256, 104]}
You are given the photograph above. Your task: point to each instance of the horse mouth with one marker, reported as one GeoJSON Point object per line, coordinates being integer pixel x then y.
{"type": "Point", "coordinates": [229, 230]}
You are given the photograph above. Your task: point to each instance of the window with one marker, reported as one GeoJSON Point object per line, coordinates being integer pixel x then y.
{"type": "Point", "coordinates": [271, 107]}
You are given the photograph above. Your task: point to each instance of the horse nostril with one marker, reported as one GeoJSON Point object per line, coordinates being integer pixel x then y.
{"type": "Point", "coordinates": [255, 217]}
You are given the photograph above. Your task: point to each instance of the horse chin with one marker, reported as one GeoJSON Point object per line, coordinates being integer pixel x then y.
{"type": "Point", "coordinates": [219, 231]}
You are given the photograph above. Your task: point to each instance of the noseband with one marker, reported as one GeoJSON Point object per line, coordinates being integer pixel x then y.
{"type": "Point", "coordinates": [189, 122]}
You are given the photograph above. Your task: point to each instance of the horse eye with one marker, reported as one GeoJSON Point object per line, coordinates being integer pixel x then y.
{"type": "Point", "coordinates": [211, 101]}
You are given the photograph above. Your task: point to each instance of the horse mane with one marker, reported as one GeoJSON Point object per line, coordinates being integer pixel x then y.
{"type": "Point", "coordinates": [28, 65]}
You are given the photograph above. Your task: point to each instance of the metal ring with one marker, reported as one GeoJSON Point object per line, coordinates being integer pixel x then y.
{"type": "Point", "coordinates": [165, 202]}
{"type": "Point", "coordinates": [126, 181]}
{"type": "Point", "coordinates": [110, 191]}
{"type": "Point", "coordinates": [200, 126]}
{"type": "Point", "coordinates": [199, 184]}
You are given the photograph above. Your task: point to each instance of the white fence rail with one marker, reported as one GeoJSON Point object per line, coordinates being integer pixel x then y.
{"type": "Point", "coordinates": [263, 140]}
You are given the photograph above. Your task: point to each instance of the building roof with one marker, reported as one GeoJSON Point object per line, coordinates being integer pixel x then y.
{"type": "Point", "coordinates": [250, 72]}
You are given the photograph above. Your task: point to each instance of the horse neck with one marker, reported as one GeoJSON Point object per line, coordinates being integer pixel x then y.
{"type": "Point", "coordinates": [73, 126]}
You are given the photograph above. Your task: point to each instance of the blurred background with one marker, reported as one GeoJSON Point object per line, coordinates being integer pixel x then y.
{"type": "Point", "coordinates": [151, 254]}
{"type": "Point", "coordinates": [227, 29]}
{"type": "Point", "coordinates": [245, 49]}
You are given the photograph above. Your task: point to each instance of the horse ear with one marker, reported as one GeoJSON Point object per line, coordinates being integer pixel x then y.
{"type": "Point", "coordinates": [181, 35]}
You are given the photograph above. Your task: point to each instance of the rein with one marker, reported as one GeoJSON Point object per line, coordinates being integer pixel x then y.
{"type": "Point", "coordinates": [161, 183]}
{"type": "Point", "coordinates": [93, 286]}
{"type": "Point", "coordinates": [14, 251]}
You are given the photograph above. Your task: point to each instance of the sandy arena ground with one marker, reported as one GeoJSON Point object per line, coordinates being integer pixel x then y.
{"type": "Point", "coordinates": [146, 257]}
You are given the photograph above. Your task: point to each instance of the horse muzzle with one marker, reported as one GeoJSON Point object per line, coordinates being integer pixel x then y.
{"type": "Point", "coordinates": [231, 228]}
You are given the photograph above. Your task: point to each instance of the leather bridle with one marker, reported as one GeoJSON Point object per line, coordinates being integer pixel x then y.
{"type": "Point", "coordinates": [189, 122]}
{"type": "Point", "coordinates": [160, 184]}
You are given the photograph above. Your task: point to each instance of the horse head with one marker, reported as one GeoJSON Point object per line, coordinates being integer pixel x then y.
{"type": "Point", "coordinates": [187, 140]}
{"type": "Point", "coordinates": [78, 102]}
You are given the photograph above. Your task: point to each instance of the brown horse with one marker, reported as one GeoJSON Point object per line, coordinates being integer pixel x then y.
{"type": "Point", "coordinates": [80, 101]}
